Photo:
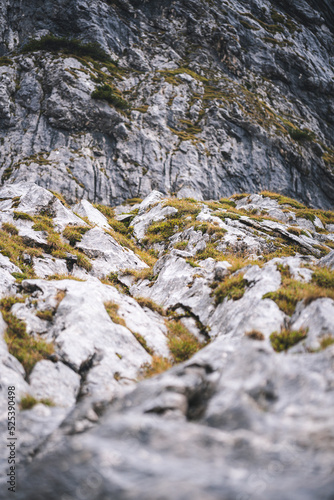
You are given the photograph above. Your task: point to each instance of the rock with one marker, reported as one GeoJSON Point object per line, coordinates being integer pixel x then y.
{"type": "Point", "coordinates": [86, 209]}
{"type": "Point", "coordinates": [141, 222]}
{"type": "Point", "coordinates": [328, 260]}
{"type": "Point", "coordinates": [317, 319]}
{"type": "Point", "coordinates": [108, 255]}
{"type": "Point", "coordinates": [49, 266]}
{"type": "Point", "coordinates": [56, 382]}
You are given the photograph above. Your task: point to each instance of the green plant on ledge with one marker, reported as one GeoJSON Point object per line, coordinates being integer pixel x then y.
{"type": "Point", "coordinates": [71, 46]}
{"type": "Point", "coordinates": [107, 93]}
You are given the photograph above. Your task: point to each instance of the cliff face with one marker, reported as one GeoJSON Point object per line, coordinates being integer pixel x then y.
{"type": "Point", "coordinates": [220, 98]}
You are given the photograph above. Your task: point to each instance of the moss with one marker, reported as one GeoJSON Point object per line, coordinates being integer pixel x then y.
{"type": "Point", "coordinates": [27, 402]}
{"type": "Point", "coordinates": [182, 344]}
{"type": "Point", "coordinates": [9, 228]}
{"type": "Point", "coordinates": [111, 95]}
{"type": "Point", "coordinates": [75, 233]}
{"type": "Point", "coordinates": [67, 46]}
{"type": "Point", "coordinates": [22, 346]}
{"type": "Point", "coordinates": [146, 302]}
{"type": "Point", "coordinates": [143, 343]}
{"type": "Point", "coordinates": [157, 366]}
{"type": "Point", "coordinates": [271, 28]}
{"type": "Point", "coordinates": [232, 287]}
{"type": "Point", "coordinates": [286, 338]}
{"type": "Point", "coordinates": [112, 310]}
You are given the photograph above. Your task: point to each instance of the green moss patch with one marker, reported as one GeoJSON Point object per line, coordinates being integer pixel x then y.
{"type": "Point", "coordinates": [182, 344]}
{"type": "Point", "coordinates": [286, 338]}
{"type": "Point", "coordinates": [110, 94]}
{"type": "Point", "coordinates": [27, 402]}
{"type": "Point", "coordinates": [71, 46]}
{"type": "Point", "coordinates": [24, 347]}
{"type": "Point", "coordinates": [232, 288]}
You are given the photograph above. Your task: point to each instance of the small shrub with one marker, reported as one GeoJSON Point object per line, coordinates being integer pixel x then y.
{"type": "Point", "coordinates": [286, 338]}
{"type": "Point", "coordinates": [301, 135]}
{"type": "Point", "coordinates": [107, 93]}
{"type": "Point", "coordinates": [67, 46]}
{"type": "Point", "coordinates": [232, 288]}
{"type": "Point", "coordinates": [255, 335]}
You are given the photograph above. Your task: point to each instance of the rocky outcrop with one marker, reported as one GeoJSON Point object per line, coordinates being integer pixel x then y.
{"type": "Point", "coordinates": [230, 304]}
{"type": "Point", "coordinates": [204, 101]}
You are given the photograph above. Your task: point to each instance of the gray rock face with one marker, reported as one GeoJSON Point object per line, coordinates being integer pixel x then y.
{"type": "Point", "coordinates": [223, 99]}
{"type": "Point", "coordinates": [236, 420]}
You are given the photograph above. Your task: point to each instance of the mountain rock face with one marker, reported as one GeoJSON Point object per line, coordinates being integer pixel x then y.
{"type": "Point", "coordinates": [167, 338]}
{"type": "Point", "coordinates": [170, 348]}
{"type": "Point", "coordinates": [206, 98]}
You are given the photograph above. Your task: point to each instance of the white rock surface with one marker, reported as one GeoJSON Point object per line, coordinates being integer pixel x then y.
{"type": "Point", "coordinates": [56, 382]}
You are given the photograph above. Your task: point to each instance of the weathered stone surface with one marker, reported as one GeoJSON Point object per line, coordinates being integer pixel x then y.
{"type": "Point", "coordinates": [56, 382]}
{"type": "Point", "coordinates": [317, 319]}
{"type": "Point", "coordinates": [215, 125]}
{"type": "Point", "coordinates": [86, 209]}
{"type": "Point", "coordinates": [108, 255]}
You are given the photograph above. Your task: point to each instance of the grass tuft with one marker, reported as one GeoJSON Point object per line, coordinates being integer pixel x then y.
{"type": "Point", "coordinates": [181, 342]}
{"type": "Point", "coordinates": [232, 288]}
{"type": "Point", "coordinates": [112, 310]}
{"type": "Point", "coordinates": [27, 402]}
